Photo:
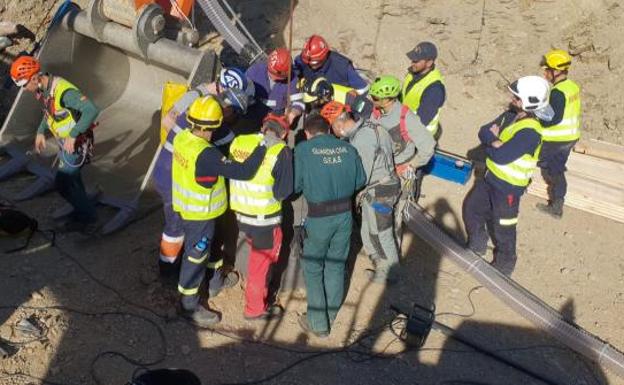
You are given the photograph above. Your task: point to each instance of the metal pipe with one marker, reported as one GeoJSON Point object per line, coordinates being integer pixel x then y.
{"type": "Point", "coordinates": [515, 296]}
{"type": "Point", "coordinates": [166, 53]}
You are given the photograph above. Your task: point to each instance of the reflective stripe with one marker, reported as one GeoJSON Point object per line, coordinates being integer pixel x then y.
{"type": "Point", "coordinates": [251, 186]}
{"type": "Point", "coordinates": [200, 197]}
{"type": "Point", "coordinates": [259, 220]}
{"type": "Point", "coordinates": [508, 221]}
{"type": "Point", "coordinates": [557, 133]}
{"type": "Point", "coordinates": [362, 91]}
{"type": "Point", "coordinates": [177, 129]}
{"type": "Point", "coordinates": [184, 291]}
{"type": "Point", "coordinates": [168, 238]}
{"type": "Point", "coordinates": [509, 170]}
{"type": "Point", "coordinates": [432, 127]}
{"type": "Point", "coordinates": [215, 265]}
{"type": "Point", "coordinates": [252, 201]}
{"type": "Point", "coordinates": [227, 139]}
{"type": "Point", "coordinates": [169, 147]}
{"type": "Point", "coordinates": [525, 163]}
{"type": "Point", "coordinates": [198, 261]}
{"type": "Point", "coordinates": [295, 97]}
{"type": "Point", "coordinates": [167, 259]}
{"type": "Point", "coordinates": [269, 103]}
{"type": "Point", "coordinates": [197, 209]}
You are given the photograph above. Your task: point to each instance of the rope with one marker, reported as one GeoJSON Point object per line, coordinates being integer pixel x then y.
{"type": "Point", "coordinates": [290, 36]}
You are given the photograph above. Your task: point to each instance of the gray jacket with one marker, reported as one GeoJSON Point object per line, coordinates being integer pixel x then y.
{"type": "Point", "coordinates": [419, 149]}
{"type": "Point", "coordinates": [374, 146]}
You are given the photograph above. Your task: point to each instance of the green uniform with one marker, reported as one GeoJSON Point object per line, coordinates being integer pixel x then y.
{"type": "Point", "coordinates": [328, 172]}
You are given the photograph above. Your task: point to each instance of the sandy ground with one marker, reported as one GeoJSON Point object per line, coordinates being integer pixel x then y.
{"type": "Point", "coordinates": [573, 264]}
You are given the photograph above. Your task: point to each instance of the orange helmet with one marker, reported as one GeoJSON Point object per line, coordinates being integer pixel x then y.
{"type": "Point", "coordinates": [315, 50]}
{"type": "Point", "coordinates": [279, 63]}
{"type": "Point", "coordinates": [332, 110]}
{"type": "Point", "coordinates": [24, 68]}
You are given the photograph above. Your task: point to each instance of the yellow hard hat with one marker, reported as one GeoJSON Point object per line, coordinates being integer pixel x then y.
{"type": "Point", "coordinates": [205, 114]}
{"type": "Point", "coordinates": [557, 59]}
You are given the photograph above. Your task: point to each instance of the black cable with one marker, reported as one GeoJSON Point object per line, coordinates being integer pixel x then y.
{"type": "Point", "coordinates": [472, 306]}
{"type": "Point", "coordinates": [312, 354]}
{"type": "Point", "coordinates": [161, 334]}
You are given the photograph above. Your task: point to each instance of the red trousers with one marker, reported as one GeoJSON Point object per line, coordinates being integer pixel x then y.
{"type": "Point", "coordinates": [258, 265]}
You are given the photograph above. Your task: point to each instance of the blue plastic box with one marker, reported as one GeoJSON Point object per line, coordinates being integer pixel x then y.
{"type": "Point", "coordinates": [449, 167]}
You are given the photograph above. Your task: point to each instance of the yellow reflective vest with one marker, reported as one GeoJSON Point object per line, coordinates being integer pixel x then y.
{"type": "Point", "coordinates": [518, 172]}
{"type": "Point", "coordinates": [254, 198]}
{"type": "Point", "coordinates": [60, 120]}
{"type": "Point", "coordinates": [340, 93]}
{"type": "Point", "coordinates": [413, 96]}
{"type": "Point", "coordinates": [569, 128]}
{"type": "Point", "coordinates": [193, 201]}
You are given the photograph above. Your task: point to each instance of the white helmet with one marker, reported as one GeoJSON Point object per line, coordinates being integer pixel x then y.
{"type": "Point", "coordinates": [533, 91]}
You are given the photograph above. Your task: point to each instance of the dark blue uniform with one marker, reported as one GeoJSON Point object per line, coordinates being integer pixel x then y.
{"type": "Point", "coordinates": [491, 207]}
{"type": "Point", "coordinates": [337, 69]}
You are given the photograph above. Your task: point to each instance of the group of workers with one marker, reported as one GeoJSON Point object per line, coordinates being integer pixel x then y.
{"type": "Point", "coordinates": [227, 150]}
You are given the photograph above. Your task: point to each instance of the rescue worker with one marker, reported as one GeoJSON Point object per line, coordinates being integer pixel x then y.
{"type": "Point", "coordinates": [562, 132]}
{"type": "Point", "coordinates": [381, 193]}
{"type": "Point", "coordinates": [172, 238]}
{"type": "Point", "coordinates": [270, 80]}
{"type": "Point", "coordinates": [513, 143]}
{"type": "Point", "coordinates": [413, 145]}
{"type": "Point", "coordinates": [316, 59]}
{"type": "Point", "coordinates": [199, 197]}
{"type": "Point", "coordinates": [423, 87]}
{"type": "Point", "coordinates": [70, 116]}
{"type": "Point", "coordinates": [328, 171]}
{"type": "Point", "coordinates": [258, 207]}
{"type": "Point", "coordinates": [318, 92]}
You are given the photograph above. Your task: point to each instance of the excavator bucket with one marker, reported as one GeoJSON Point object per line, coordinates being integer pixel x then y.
{"type": "Point", "coordinates": [123, 72]}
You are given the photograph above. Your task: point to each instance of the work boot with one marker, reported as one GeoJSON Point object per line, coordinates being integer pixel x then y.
{"type": "Point", "coordinates": [201, 317]}
{"type": "Point", "coordinates": [169, 271]}
{"type": "Point", "coordinates": [273, 311]}
{"type": "Point", "coordinates": [223, 280]}
{"type": "Point", "coordinates": [303, 323]}
{"type": "Point", "coordinates": [380, 277]}
{"type": "Point", "coordinates": [554, 208]}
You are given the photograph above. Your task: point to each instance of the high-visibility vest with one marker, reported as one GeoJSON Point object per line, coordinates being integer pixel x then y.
{"type": "Point", "coordinates": [254, 198]}
{"type": "Point", "coordinates": [570, 127]}
{"type": "Point", "coordinates": [193, 201]}
{"type": "Point", "coordinates": [413, 96]}
{"type": "Point", "coordinates": [518, 172]}
{"type": "Point", "coordinates": [340, 93]}
{"type": "Point", "coordinates": [60, 120]}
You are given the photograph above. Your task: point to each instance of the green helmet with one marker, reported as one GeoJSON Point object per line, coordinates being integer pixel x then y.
{"type": "Point", "coordinates": [385, 87]}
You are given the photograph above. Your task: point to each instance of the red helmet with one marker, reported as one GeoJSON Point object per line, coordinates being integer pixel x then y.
{"type": "Point", "coordinates": [279, 63]}
{"type": "Point", "coordinates": [278, 122]}
{"type": "Point", "coordinates": [24, 68]}
{"type": "Point", "coordinates": [315, 49]}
